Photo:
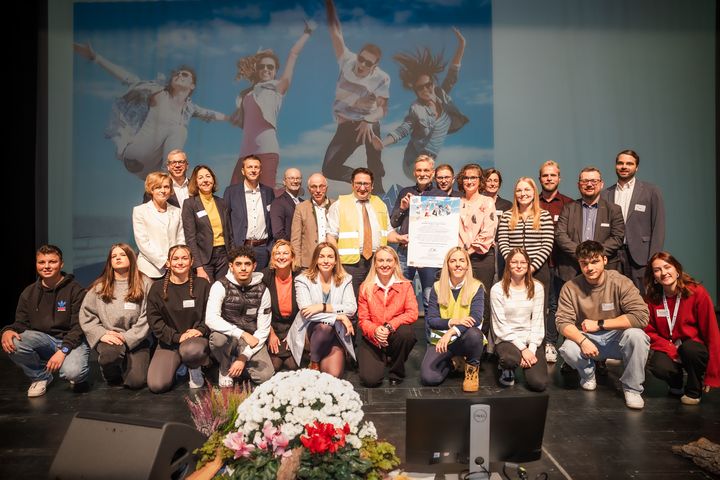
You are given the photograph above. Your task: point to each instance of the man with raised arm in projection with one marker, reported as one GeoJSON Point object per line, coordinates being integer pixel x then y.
{"type": "Point", "coordinates": [361, 98]}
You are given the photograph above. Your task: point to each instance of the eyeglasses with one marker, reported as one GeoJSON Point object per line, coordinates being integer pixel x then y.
{"type": "Point", "coordinates": [592, 181]}
{"type": "Point", "coordinates": [362, 184]}
{"type": "Point", "coordinates": [265, 66]}
{"type": "Point", "coordinates": [423, 86]}
{"type": "Point", "coordinates": [471, 178]}
{"type": "Point", "coordinates": [294, 179]}
{"type": "Point", "coordinates": [364, 61]}
{"type": "Point", "coordinates": [518, 263]}
{"type": "Point", "coordinates": [444, 178]}
{"type": "Point", "coordinates": [317, 187]}
{"type": "Point", "coordinates": [183, 74]}
{"type": "Point", "coordinates": [177, 162]}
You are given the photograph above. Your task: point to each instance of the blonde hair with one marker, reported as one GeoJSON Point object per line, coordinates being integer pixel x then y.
{"type": "Point", "coordinates": [338, 272]}
{"type": "Point", "coordinates": [549, 163]}
{"type": "Point", "coordinates": [514, 212]}
{"type": "Point", "coordinates": [156, 179]}
{"type": "Point", "coordinates": [283, 243]}
{"type": "Point", "coordinates": [369, 281]}
{"type": "Point", "coordinates": [444, 293]}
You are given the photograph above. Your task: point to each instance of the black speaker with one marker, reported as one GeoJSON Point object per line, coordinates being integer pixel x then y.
{"type": "Point", "coordinates": [104, 446]}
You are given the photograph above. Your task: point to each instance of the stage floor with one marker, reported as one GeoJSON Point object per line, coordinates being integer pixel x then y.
{"type": "Point", "coordinates": [588, 435]}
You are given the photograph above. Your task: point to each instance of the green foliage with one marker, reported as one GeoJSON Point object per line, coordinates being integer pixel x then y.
{"type": "Point", "coordinates": [261, 465]}
{"type": "Point", "coordinates": [381, 455]}
{"type": "Point", "coordinates": [210, 448]}
{"type": "Point", "coordinates": [345, 464]}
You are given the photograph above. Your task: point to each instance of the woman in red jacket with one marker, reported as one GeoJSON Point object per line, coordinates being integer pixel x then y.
{"type": "Point", "coordinates": [683, 329]}
{"type": "Point", "coordinates": [387, 308]}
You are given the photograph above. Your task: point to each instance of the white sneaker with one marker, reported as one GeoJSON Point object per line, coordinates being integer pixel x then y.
{"type": "Point", "coordinates": [634, 400]}
{"type": "Point", "coordinates": [686, 400]}
{"type": "Point", "coordinates": [550, 353]}
{"type": "Point", "coordinates": [196, 377]}
{"type": "Point", "coordinates": [38, 388]}
{"type": "Point", "coordinates": [590, 384]}
{"type": "Point", "coordinates": [225, 380]}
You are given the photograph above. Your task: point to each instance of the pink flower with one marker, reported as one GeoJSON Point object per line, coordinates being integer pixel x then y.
{"type": "Point", "coordinates": [280, 442]}
{"type": "Point", "coordinates": [236, 442]}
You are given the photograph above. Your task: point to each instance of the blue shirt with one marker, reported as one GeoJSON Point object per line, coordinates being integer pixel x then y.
{"type": "Point", "coordinates": [589, 219]}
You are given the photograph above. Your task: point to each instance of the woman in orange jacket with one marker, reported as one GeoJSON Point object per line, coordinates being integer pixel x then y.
{"type": "Point", "coordinates": [387, 308]}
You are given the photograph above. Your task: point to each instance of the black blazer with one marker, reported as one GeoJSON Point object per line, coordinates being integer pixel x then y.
{"type": "Point", "coordinates": [234, 197]}
{"type": "Point", "coordinates": [280, 324]}
{"type": "Point", "coordinates": [198, 231]}
{"type": "Point", "coordinates": [609, 231]}
{"type": "Point", "coordinates": [281, 215]}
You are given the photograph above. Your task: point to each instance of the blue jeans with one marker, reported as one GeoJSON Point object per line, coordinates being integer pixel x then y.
{"type": "Point", "coordinates": [427, 276]}
{"type": "Point", "coordinates": [631, 346]}
{"type": "Point", "coordinates": [34, 349]}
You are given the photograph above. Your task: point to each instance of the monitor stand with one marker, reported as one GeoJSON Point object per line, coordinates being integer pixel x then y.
{"type": "Point", "coordinates": [480, 444]}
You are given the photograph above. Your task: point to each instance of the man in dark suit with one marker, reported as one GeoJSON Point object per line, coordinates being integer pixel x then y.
{"type": "Point", "coordinates": [177, 166]}
{"type": "Point", "coordinates": [283, 207]}
{"type": "Point", "coordinates": [589, 218]}
{"type": "Point", "coordinates": [249, 206]}
{"type": "Point", "coordinates": [644, 214]}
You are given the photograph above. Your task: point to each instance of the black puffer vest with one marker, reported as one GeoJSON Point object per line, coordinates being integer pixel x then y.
{"type": "Point", "coordinates": [242, 304]}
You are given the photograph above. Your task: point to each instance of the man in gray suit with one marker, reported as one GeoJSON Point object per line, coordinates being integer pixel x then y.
{"type": "Point", "coordinates": [589, 218]}
{"type": "Point", "coordinates": [644, 213]}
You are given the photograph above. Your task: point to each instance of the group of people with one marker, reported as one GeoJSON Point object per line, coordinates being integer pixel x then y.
{"type": "Point", "coordinates": [260, 284]}
{"type": "Point", "coordinates": [151, 119]}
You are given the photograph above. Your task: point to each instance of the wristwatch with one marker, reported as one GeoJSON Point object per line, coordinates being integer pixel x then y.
{"type": "Point", "coordinates": [65, 350]}
{"type": "Point", "coordinates": [601, 325]}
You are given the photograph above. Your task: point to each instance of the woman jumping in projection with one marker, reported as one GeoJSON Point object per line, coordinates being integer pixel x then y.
{"type": "Point", "coordinates": [150, 119]}
{"type": "Point", "coordinates": [259, 104]}
{"type": "Point", "coordinates": [433, 114]}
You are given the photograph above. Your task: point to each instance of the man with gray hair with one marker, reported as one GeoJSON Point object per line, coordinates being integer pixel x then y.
{"type": "Point", "coordinates": [309, 221]}
{"type": "Point", "coordinates": [283, 207]}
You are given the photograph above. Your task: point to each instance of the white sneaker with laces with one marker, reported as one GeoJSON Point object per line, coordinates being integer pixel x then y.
{"type": "Point", "coordinates": [550, 353]}
{"type": "Point", "coordinates": [38, 388]}
{"type": "Point", "coordinates": [634, 400]}
{"type": "Point", "coordinates": [196, 377]}
{"type": "Point", "coordinates": [589, 384]}
{"type": "Point", "coordinates": [225, 380]}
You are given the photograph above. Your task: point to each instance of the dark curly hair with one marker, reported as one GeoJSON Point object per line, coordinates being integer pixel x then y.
{"type": "Point", "coordinates": [421, 62]}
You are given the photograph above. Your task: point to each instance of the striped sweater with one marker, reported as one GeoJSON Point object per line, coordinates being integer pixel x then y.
{"type": "Point", "coordinates": [537, 243]}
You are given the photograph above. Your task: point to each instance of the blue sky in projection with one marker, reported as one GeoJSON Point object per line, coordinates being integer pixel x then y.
{"type": "Point", "coordinates": [152, 38]}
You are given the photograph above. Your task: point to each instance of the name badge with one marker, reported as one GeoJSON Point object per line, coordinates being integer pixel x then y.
{"type": "Point", "coordinates": [606, 307]}
{"type": "Point", "coordinates": [251, 311]}
{"type": "Point", "coordinates": [605, 225]}
{"type": "Point", "coordinates": [639, 208]}
{"type": "Point", "coordinates": [268, 208]}
{"type": "Point", "coordinates": [660, 312]}
{"type": "Point", "coordinates": [130, 306]}
{"type": "Point", "coordinates": [201, 213]}
{"type": "Point", "coordinates": [189, 303]}
{"type": "Point", "coordinates": [555, 218]}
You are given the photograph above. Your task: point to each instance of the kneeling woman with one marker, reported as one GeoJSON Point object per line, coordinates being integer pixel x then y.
{"type": "Point", "coordinates": [518, 322]}
{"type": "Point", "coordinates": [326, 301]}
{"type": "Point", "coordinates": [279, 278]}
{"type": "Point", "coordinates": [176, 314]}
{"type": "Point", "coordinates": [387, 308]}
{"type": "Point", "coordinates": [113, 317]}
{"type": "Point", "coordinates": [683, 329]}
{"type": "Point", "coordinates": [453, 322]}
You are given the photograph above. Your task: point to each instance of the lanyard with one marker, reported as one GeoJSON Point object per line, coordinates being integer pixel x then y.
{"type": "Point", "coordinates": [671, 321]}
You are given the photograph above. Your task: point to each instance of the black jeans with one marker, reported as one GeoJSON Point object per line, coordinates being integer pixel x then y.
{"type": "Point", "coordinates": [344, 144]}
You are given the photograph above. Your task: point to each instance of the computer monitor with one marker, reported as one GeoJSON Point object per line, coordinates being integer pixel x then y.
{"type": "Point", "coordinates": [440, 432]}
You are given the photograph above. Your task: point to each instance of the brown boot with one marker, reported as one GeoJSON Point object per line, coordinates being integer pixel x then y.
{"type": "Point", "coordinates": [472, 381]}
{"type": "Point", "coordinates": [314, 366]}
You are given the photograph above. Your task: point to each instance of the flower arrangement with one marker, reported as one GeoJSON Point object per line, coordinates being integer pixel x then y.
{"type": "Point", "coordinates": [301, 424]}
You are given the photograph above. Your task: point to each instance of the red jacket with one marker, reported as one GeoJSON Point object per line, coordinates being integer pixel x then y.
{"type": "Point", "coordinates": [375, 309]}
{"type": "Point", "coordinates": [695, 321]}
